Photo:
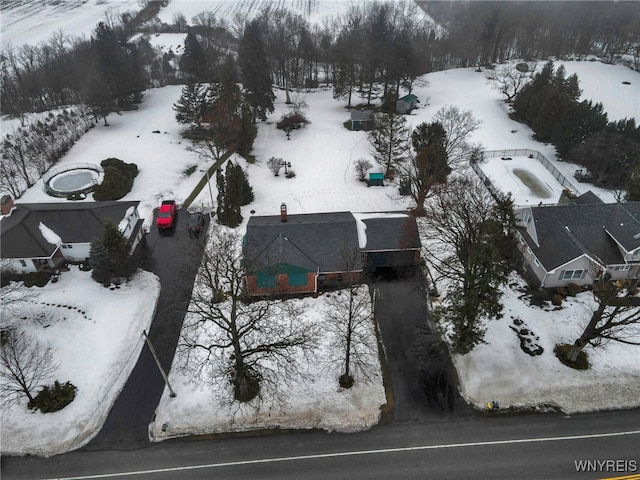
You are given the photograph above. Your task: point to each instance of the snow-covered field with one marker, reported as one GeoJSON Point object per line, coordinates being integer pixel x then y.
{"type": "Point", "coordinates": [28, 22]}
{"type": "Point", "coordinates": [322, 155]}
{"type": "Point", "coordinates": [96, 335]}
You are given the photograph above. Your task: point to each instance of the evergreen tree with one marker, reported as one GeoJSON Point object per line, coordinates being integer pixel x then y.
{"type": "Point", "coordinates": [117, 67]}
{"type": "Point", "coordinates": [221, 209]}
{"type": "Point", "coordinates": [255, 71]}
{"type": "Point", "coordinates": [117, 247]}
{"type": "Point", "coordinates": [189, 107]}
{"type": "Point", "coordinates": [633, 186]}
{"type": "Point", "coordinates": [239, 178]}
{"type": "Point", "coordinates": [233, 195]}
{"type": "Point", "coordinates": [193, 63]}
{"type": "Point", "coordinates": [248, 132]}
{"type": "Point", "coordinates": [99, 262]}
{"type": "Point", "coordinates": [389, 140]}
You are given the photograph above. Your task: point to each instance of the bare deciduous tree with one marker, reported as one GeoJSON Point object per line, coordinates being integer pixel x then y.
{"type": "Point", "coordinates": [351, 325]}
{"type": "Point", "coordinates": [362, 166]}
{"type": "Point", "coordinates": [458, 125]}
{"type": "Point", "coordinates": [275, 164]}
{"type": "Point", "coordinates": [227, 339]}
{"type": "Point", "coordinates": [26, 364]}
{"type": "Point", "coordinates": [509, 80]}
{"type": "Point", "coordinates": [616, 318]}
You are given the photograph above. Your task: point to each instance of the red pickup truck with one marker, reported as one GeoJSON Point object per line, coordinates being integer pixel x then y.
{"type": "Point", "coordinates": [166, 215]}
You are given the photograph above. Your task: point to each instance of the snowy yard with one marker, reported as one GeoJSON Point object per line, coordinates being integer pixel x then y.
{"type": "Point", "coordinates": [499, 369]}
{"type": "Point", "coordinates": [96, 335]}
{"type": "Point", "coordinates": [315, 400]}
{"type": "Point", "coordinates": [322, 155]}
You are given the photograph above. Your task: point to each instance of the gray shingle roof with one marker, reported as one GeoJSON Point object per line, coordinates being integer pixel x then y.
{"type": "Point", "coordinates": [315, 240]}
{"type": "Point", "coordinates": [362, 115]}
{"type": "Point", "coordinates": [72, 222]}
{"type": "Point", "coordinates": [391, 233]}
{"type": "Point", "coordinates": [569, 231]}
{"type": "Point", "coordinates": [321, 240]}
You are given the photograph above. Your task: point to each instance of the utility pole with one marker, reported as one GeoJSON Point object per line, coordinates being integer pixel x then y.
{"type": "Point", "coordinates": [155, 357]}
{"type": "Point", "coordinates": [210, 192]}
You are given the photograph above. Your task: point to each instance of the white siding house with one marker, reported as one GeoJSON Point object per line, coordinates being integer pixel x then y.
{"type": "Point", "coordinates": [42, 236]}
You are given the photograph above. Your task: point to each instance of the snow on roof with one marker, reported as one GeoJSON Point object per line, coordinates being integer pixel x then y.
{"type": "Point", "coordinates": [49, 235]}
{"type": "Point", "coordinates": [362, 227]}
{"type": "Point", "coordinates": [124, 223]}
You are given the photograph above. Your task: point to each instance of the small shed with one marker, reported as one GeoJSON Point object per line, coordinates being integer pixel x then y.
{"type": "Point", "coordinates": [376, 180]}
{"type": "Point", "coordinates": [361, 119]}
{"type": "Point", "coordinates": [406, 103]}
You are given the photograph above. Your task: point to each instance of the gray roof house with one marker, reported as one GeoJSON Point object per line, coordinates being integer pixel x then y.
{"type": "Point", "coordinates": [579, 242]}
{"type": "Point", "coordinates": [41, 236]}
{"type": "Point", "coordinates": [290, 254]}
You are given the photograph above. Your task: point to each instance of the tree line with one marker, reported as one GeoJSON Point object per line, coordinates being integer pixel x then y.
{"type": "Point", "coordinates": [373, 49]}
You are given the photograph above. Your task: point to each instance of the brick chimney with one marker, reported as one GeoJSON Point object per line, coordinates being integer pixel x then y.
{"type": "Point", "coordinates": [7, 204]}
{"type": "Point", "coordinates": [283, 212]}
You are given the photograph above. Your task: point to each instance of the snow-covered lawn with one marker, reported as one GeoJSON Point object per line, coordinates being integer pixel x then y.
{"type": "Point", "coordinates": [499, 369]}
{"type": "Point", "coordinates": [96, 335]}
{"type": "Point", "coordinates": [315, 400]}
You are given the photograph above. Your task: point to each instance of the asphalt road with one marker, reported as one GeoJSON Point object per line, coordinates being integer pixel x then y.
{"type": "Point", "coordinates": [543, 446]}
{"type": "Point", "coordinates": [174, 257]}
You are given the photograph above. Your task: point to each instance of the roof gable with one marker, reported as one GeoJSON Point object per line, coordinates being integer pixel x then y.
{"type": "Point", "coordinates": [72, 222]}
{"type": "Point", "coordinates": [567, 232]}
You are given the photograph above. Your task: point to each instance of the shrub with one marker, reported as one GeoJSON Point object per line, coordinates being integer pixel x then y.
{"type": "Point", "coordinates": [39, 279]}
{"type": "Point", "coordinates": [118, 180]}
{"type": "Point", "coordinates": [573, 289]}
{"type": "Point", "coordinates": [189, 171]}
{"type": "Point", "coordinates": [54, 398]}
{"type": "Point", "coordinates": [556, 299]}
{"type": "Point", "coordinates": [293, 120]}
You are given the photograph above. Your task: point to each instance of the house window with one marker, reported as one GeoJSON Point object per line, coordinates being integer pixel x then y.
{"type": "Point", "coordinates": [297, 279]}
{"type": "Point", "coordinates": [266, 281]}
{"type": "Point", "coordinates": [535, 260]}
{"type": "Point", "coordinates": [623, 268]}
{"type": "Point", "coordinates": [23, 263]}
{"type": "Point", "coordinates": [572, 274]}
{"type": "Point", "coordinates": [66, 245]}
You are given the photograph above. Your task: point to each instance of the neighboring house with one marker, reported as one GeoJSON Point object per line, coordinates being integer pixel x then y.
{"type": "Point", "coordinates": [302, 254]}
{"type": "Point", "coordinates": [581, 241]}
{"type": "Point", "coordinates": [361, 119]}
{"type": "Point", "coordinates": [42, 236]}
{"type": "Point", "coordinates": [406, 103]}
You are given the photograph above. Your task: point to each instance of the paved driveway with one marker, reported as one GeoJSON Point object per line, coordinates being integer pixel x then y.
{"type": "Point", "coordinates": [421, 372]}
{"type": "Point", "coordinates": [174, 257]}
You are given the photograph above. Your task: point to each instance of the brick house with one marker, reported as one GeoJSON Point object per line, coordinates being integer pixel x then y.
{"type": "Point", "coordinates": [307, 253]}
